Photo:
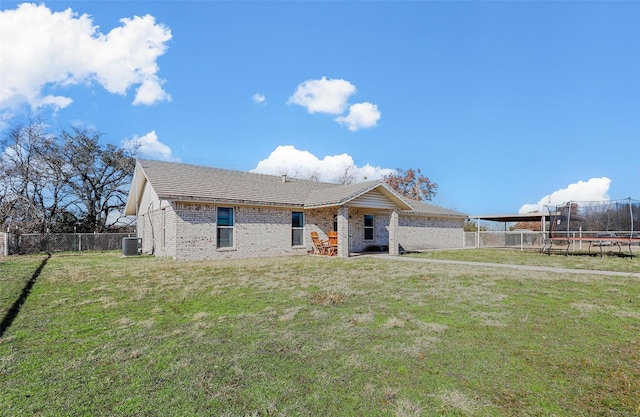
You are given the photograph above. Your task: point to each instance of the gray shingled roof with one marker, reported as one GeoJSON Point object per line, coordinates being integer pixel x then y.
{"type": "Point", "coordinates": [420, 207]}
{"type": "Point", "coordinates": [176, 181]}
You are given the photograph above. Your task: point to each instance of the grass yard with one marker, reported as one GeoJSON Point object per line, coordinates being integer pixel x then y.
{"type": "Point", "coordinates": [608, 262]}
{"type": "Point", "coordinates": [102, 335]}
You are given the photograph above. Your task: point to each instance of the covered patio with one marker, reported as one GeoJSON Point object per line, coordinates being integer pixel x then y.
{"type": "Point", "coordinates": [361, 217]}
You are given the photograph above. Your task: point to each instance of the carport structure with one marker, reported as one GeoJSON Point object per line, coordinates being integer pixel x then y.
{"type": "Point", "coordinates": [541, 217]}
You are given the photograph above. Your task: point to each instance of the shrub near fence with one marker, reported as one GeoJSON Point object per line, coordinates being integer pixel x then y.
{"type": "Point", "coordinates": [60, 242]}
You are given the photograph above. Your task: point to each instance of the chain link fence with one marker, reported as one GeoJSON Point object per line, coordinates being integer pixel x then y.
{"type": "Point", "coordinates": [12, 244]}
{"type": "Point", "coordinates": [524, 239]}
{"type": "Point", "coordinates": [520, 239]}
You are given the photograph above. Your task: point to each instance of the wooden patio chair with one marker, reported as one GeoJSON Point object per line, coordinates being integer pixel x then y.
{"type": "Point", "coordinates": [333, 242]}
{"type": "Point", "coordinates": [321, 247]}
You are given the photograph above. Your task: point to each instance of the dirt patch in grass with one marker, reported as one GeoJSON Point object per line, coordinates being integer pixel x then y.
{"type": "Point", "coordinates": [327, 299]}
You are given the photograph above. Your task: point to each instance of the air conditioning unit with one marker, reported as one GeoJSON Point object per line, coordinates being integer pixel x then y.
{"type": "Point", "coordinates": [130, 246]}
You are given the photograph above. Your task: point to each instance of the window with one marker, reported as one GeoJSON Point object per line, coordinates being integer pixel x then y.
{"type": "Point", "coordinates": [368, 227]}
{"type": "Point", "coordinates": [297, 228]}
{"type": "Point", "coordinates": [224, 239]}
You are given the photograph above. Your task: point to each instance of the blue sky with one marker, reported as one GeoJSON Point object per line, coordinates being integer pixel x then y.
{"type": "Point", "coordinates": [502, 104]}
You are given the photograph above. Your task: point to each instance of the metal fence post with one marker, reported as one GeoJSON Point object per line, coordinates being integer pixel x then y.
{"type": "Point", "coordinates": [521, 241]}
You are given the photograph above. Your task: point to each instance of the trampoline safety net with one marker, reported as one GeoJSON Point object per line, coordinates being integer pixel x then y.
{"type": "Point", "coordinates": [595, 219]}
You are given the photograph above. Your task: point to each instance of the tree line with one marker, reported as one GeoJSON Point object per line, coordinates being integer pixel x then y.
{"type": "Point", "coordinates": [62, 182]}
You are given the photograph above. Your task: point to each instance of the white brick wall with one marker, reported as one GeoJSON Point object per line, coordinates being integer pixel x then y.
{"type": "Point", "coordinates": [417, 233]}
{"type": "Point", "coordinates": [196, 231]}
{"type": "Point", "coordinates": [357, 242]}
{"type": "Point", "coordinates": [188, 231]}
{"type": "Point", "coordinates": [264, 232]}
{"type": "Point", "coordinates": [318, 220]}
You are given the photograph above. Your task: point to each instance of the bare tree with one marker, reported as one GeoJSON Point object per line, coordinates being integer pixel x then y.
{"type": "Point", "coordinates": [412, 184]}
{"type": "Point", "coordinates": [52, 182]}
{"type": "Point", "coordinates": [33, 190]}
{"type": "Point", "coordinates": [348, 175]}
{"type": "Point", "coordinates": [99, 176]}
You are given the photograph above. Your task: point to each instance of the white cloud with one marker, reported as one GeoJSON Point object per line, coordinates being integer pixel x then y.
{"type": "Point", "coordinates": [595, 189]}
{"type": "Point", "coordinates": [259, 98]}
{"type": "Point", "coordinates": [303, 164]}
{"type": "Point", "coordinates": [323, 96]}
{"type": "Point", "coordinates": [149, 146]}
{"type": "Point", "coordinates": [43, 49]}
{"type": "Point", "coordinates": [361, 115]}
{"type": "Point", "coordinates": [150, 92]}
{"type": "Point", "coordinates": [331, 96]}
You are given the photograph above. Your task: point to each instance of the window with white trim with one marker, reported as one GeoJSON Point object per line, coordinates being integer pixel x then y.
{"type": "Point", "coordinates": [224, 238]}
{"type": "Point", "coordinates": [368, 227]}
{"type": "Point", "coordinates": [297, 228]}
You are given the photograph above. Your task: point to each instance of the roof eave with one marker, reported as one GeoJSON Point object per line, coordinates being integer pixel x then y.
{"type": "Point", "coordinates": [441, 215]}
{"type": "Point", "coordinates": [320, 206]}
{"type": "Point", "coordinates": [135, 192]}
{"type": "Point", "coordinates": [231, 202]}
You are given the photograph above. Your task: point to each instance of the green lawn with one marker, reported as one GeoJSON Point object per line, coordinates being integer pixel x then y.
{"type": "Point", "coordinates": [102, 335]}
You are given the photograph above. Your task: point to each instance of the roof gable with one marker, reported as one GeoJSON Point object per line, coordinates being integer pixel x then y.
{"type": "Point", "coordinates": [343, 194]}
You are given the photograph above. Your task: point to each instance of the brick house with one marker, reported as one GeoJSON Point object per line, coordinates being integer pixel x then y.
{"type": "Point", "coordinates": [195, 212]}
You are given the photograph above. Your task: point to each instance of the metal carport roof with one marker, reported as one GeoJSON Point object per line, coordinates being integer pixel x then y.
{"type": "Point", "coordinates": [508, 218]}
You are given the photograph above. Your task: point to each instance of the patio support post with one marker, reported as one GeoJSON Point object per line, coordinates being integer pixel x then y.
{"type": "Point", "coordinates": [394, 249]}
{"type": "Point", "coordinates": [343, 232]}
